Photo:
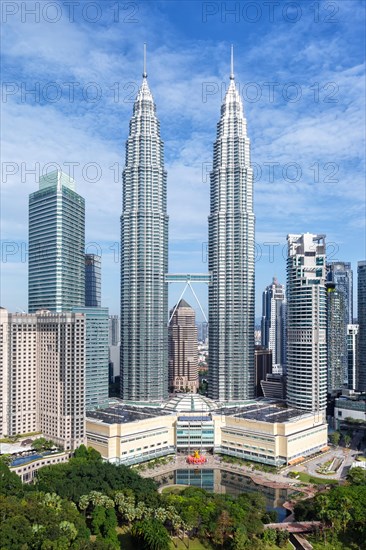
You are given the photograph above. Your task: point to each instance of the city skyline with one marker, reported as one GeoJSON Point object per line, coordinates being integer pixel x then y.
{"type": "Point", "coordinates": [188, 76]}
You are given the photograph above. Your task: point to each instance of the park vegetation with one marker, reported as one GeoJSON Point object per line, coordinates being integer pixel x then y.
{"type": "Point", "coordinates": [342, 511]}
{"type": "Point", "coordinates": [90, 504]}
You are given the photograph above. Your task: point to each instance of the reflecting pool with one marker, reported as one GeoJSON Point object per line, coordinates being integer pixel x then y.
{"type": "Point", "coordinates": [223, 481]}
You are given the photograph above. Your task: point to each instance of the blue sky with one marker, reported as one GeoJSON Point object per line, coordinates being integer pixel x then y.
{"type": "Point", "coordinates": [300, 67]}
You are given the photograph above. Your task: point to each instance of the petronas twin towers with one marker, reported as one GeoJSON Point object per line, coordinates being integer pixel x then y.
{"type": "Point", "coordinates": [144, 257]}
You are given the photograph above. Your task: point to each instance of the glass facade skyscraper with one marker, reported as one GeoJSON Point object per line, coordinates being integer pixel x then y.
{"type": "Point", "coordinates": [144, 257]}
{"type": "Point", "coordinates": [56, 279]}
{"type": "Point", "coordinates": [93, 280]}
{"type": "Point", "coordinates": [231, 256]}
{"type": "Point", "coordinates": [361, 314]}
{"type": "Point", "coordinates": [336, 338]}
{"type": "Point", "coordinates": [96, 356]}
{"type": "Point", "coordinates": [341, 274]}
{"type": "Point", "coordinates": [273, 323]}
{"type": "Point", "coordinates": [352, 355]}
{"type": "Point", "coordinates": [306, 323]}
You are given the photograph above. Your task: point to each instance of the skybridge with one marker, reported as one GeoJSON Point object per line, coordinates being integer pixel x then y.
{"type": "Point", "coordinates": [188, 279]}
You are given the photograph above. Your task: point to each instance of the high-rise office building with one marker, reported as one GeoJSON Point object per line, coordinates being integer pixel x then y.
{"type": "Point", "coordinates": [352, 356]}
{"type": "Point", "coordinates": [144, 257]}
{"type": "Point", "coordinates": [42, 371]}
{"type": "Point", "coordinates": [361, 315]}
{"type": "Point", "coordinates": [183, 349]}
{"type": "Point", "coordinates": [262, 367]}
{"type": "Point", "coordinates": [56, 245]}
{"type": "Point", "coordinates": [93, 280]}
{"type": "Point", "coordinates": [336, 338]}
{"type": "Point", "coordinates": [114, 330]}
{"type": "Point", "coordinates": [341, 274]}
{"type": "Point", "coordinates": [96, 356]}
{"type": "Point", "coordinates": [273, 323]}
{"type": "Point", "coordinates": [231, 256]}
{"type": "Point", "coordinates": [306, 323]}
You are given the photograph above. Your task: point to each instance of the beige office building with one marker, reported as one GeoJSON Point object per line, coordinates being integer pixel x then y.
{"type": "Point", "coordinates": [42, 373]}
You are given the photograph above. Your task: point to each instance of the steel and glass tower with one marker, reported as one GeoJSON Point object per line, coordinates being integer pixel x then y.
{"type": "Point", "coordinates": [341, 274]}
{"type": "Point", "coordinates": [273, 322]}
{"type": "Point", "coordinates": [361, 307]}
{"type": "Point", "coordinates": [144, 257]}
{"type": "Point", "coordinates": [231, 256]}
{"type": "Point", "coordinates": [336, 338]}
{"type": "Point", "coordinates": [56, 272]}
{"type": "Point", "coordinates": [93, 280]}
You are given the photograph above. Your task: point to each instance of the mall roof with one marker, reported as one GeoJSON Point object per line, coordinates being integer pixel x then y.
{"type": "Point", "coordinates": [121, 414]}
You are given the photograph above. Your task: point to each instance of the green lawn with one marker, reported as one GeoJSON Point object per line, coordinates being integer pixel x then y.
{"type": "Point", "coordinates": [175, 489]}
{"type": "Point", "coordinates": [307, 478]}
{"type": "Point", "coordinates": [194, 544]}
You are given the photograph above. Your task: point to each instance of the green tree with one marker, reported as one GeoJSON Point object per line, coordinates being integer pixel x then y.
{"type": "Point", "coordinates": [150, 534]}
{"type": "Point", "coordinates": [10, 482]}
{"type": "Point", "coordinates": [42, 444]}
{"type": "Point", "coordinates": [334, 438]}
{"type": "Point", "coordinates": [98, 517]}
{"type": "Point", "coordinates": [357, 476]}
{"type": "Point", "coordinates": [16, 532]}
{"type": "Point", "coordinates": [347, 440]}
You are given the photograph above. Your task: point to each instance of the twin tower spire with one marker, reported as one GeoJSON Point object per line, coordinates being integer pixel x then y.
{"type": "Point", "coordinates": [144, 257]}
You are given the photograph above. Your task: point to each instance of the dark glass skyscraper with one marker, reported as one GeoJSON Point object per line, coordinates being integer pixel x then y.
{"type": "Point", "coordinates": [231, 256]}
{"type": "Point", "coordinates": [56, 279]}
{"type": "Point", "coordinates": [341, 274]}
{"type": "Point", "coordinates": [144, 257]}
{"type": "Point", "coordinates": [93, 280]}
{"type": "Point", "coordinates": [336, 338]}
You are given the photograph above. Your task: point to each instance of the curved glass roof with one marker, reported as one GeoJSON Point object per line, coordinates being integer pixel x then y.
{"type": "Point", "coordinates": [185, 402]}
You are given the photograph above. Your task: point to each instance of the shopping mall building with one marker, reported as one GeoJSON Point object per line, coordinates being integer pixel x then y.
{"type": "Point", "coordinates": [262, 431]}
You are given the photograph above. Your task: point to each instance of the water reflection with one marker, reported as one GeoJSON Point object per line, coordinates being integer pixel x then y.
{"type": "Point", "coordinates": [224, 481]}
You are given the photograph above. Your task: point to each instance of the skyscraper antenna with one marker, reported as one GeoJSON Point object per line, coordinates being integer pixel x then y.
{"type": "Point", "coordinates": [232, 63]}
{"type": "Point", "coordinates": [144, 74]}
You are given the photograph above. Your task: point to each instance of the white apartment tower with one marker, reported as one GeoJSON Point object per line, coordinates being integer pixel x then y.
{"type": "Point", "coordinates": [306, 323]}
{"type": "Point", "coordinates": [231, 256]}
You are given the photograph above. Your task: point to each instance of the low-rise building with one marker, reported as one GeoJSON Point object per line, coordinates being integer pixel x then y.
{"type": "Point", "coordinates": [261, 431]}
{"type": "Point", "coordinates": [350, 408]}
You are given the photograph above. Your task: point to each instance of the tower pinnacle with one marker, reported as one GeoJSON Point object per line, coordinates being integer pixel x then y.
{"type": "Point", "coordinates": [232, 63]}
{"type": "Point", "coordinates": [144, 74]}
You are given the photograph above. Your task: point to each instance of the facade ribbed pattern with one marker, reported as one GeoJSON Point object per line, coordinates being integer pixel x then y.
{"type": "Point", "coordinates": [306, 323]}
{"type": "Point", "coordinates": [231, 257]}
{"type": "Point", "coordinates": [144, 258]}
